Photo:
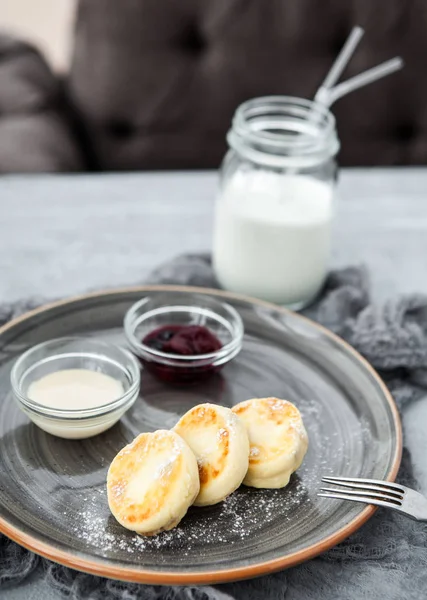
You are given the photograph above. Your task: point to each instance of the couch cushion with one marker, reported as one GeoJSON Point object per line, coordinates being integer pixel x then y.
{"type": "Point", "coordinates": [157, 81]}
{"type": "Point", "coordinates": [34, 135]}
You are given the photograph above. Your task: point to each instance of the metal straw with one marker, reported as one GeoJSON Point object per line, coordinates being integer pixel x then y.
{"type": "Point", "coordinates": [327, 94]}
{"type": "Point", "coordinates": [358, 81]}
{"type": "Point", "coordinates": [340, 63]}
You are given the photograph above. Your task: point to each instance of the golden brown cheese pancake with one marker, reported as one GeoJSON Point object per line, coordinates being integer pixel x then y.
{"type": "Point", "coordinates": [152, 482]}
{"type": "Point", "coordinates": [220, 443]}
{"type": "Point", "coordinates": [278, 440]}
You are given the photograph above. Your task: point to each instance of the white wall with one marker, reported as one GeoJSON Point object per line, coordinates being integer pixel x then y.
{"type": "Point", "coordinates": [46, 23]}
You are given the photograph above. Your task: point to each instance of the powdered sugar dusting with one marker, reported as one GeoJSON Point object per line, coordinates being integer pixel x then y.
{"type": "Point", "coordinates": [246, 518]}
{"type": "Point", "coordinates": [234, 520]}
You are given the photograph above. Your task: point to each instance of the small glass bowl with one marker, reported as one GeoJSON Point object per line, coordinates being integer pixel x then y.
{"type": "Point", "coordinates": [183, 308]}
{"type": "Point", "coordinates": [75, 353]}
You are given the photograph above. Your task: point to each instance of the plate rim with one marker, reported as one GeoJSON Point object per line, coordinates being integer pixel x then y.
{"type": "Point", "coordinates": [96, 567]}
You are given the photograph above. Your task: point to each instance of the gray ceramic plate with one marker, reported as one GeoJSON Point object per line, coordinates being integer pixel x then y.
{"type": "Point", "coordinates": [52, 491]}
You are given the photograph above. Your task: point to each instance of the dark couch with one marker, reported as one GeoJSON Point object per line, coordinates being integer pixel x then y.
{"type": "Point", "coordinates": [154, 83]}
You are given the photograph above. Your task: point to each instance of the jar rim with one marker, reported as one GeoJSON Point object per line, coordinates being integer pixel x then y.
{"type": "Point", "coordinates": [284, 131]}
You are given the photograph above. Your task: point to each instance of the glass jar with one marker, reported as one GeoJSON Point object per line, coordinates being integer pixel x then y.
{"type": "Point", "coordinates": [272, 232]}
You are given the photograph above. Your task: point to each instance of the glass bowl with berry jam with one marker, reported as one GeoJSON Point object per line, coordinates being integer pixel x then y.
{"type": "Point", "coordinates": [182, 337]}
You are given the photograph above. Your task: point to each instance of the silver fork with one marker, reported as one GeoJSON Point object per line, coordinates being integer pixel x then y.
{"type": "Point", "coordinates": [381, 493]}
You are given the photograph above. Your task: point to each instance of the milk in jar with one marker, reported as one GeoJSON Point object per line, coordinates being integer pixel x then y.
{"type": "Point", "coordinates": [272, 236]}
{"type": "Point", "coordinates": [274, 210]}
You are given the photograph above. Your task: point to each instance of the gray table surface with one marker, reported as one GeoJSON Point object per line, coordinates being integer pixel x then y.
{"type": "Point", "coordinates": [62, 235]}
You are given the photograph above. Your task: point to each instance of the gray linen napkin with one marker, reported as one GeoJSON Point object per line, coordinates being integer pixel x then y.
{"type": "Point", "coordinates": [387, 558]}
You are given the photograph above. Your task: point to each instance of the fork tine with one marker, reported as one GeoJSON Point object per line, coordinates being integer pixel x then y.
{"type": "Point", "coordinates": [366, 494]}
{"type": "Point", "coordinates": [362, 486]}
{"type": "Point", "coordinates": [359, 482]}
{"type": "Point", "coordinates": [345, 496]}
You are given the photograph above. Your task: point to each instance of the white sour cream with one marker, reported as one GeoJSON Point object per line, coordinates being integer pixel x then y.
{"type": "Point", "coordinates": [75, 389]}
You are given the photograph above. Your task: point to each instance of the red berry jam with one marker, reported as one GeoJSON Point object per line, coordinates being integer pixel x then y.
{"type": "Point", "coordinates": [186, 340]}
{"type": "Point", "coordinates": [181, 340]}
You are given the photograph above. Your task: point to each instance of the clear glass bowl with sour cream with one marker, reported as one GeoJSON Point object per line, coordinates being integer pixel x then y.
{"type": "Point", "coordinates": [75, 387]}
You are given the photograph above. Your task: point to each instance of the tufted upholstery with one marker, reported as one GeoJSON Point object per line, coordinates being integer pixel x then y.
{"type": "Point", "coordinates": [154, 83]}
{"type": "Point", "coordinates": [157, 81]}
